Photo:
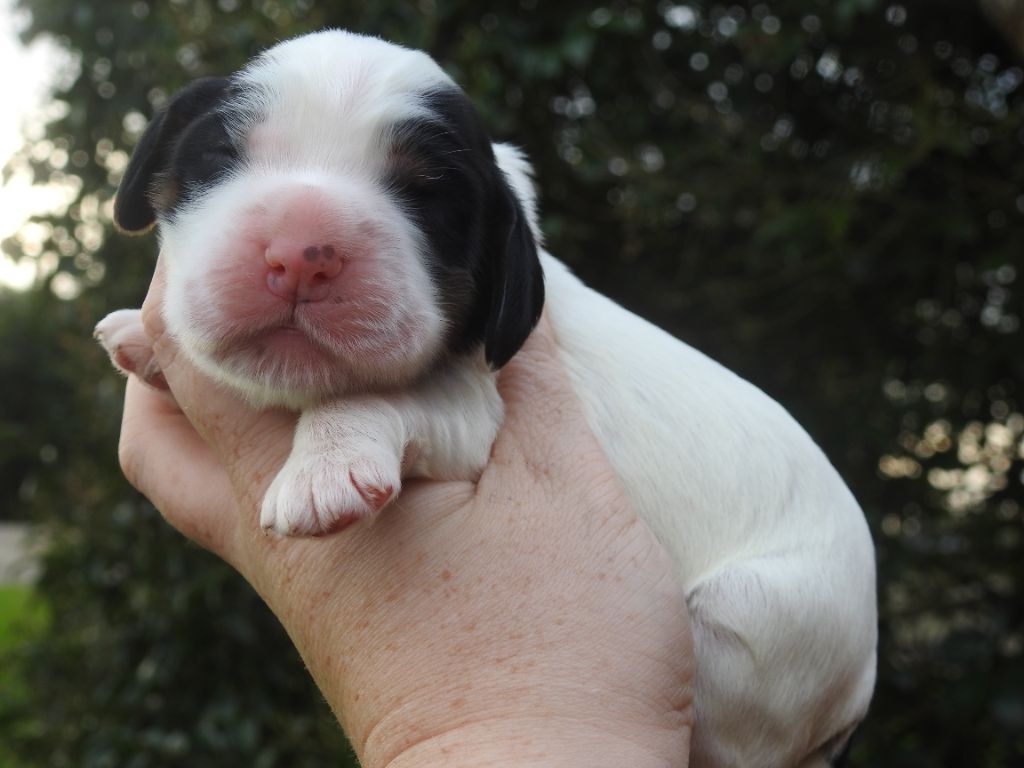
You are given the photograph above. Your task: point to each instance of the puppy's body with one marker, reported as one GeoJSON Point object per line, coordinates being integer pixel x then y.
{"type": "Point", "coordinates": [354, 245]}
{"type": "Point", "coordinates": [771, 547]}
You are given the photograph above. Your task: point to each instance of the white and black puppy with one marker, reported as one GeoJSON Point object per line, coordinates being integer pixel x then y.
{"type": "Point", "coordinates": [342, 238]}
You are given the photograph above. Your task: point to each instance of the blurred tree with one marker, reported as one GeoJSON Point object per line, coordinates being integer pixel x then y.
{"type": "Point", "coordinates": [826, 196]}
{"type": "Point", "coordinates": [1008, 17]}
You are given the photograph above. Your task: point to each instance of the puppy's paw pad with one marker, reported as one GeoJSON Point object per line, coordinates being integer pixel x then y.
{"type": "Point", "coordinates": [323, 494]}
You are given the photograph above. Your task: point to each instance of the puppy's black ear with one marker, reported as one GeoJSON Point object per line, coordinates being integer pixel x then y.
{"type": "Point", "coordinates": [517, 281]}
{"type": "Point", "coordinates": [133, 208]}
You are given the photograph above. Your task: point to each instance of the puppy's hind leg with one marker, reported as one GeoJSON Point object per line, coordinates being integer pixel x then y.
{"type": "Point", "coordinates": [122, 335]}
{"type": "Point", "coordinates": [785, 665]}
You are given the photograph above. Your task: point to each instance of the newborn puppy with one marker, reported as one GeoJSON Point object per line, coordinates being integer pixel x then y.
{"type": "Point", "coordinates": [342, 238]}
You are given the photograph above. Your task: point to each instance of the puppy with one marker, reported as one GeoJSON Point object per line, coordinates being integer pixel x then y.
{"type": "Point", "coordinates": [342, 238]}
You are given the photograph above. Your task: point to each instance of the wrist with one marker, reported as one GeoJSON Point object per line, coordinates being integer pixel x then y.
{"type": "Point", "coordinates": [453, 712]}
{"type": "Point", "coordinates": [551, 742]}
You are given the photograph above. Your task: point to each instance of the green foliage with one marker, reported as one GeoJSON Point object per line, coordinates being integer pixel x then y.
{"type": "Point", "coordinates": [20, 616]}
{"type": "Point", "coordinates": [158, 655]}
{"type": "Point", "coordinates": [824, 196]}
{"type": "Point", "coordinates": [22, 619]}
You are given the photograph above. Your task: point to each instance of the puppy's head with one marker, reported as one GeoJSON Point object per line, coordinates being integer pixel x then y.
{"type": "Point", "coordinates": [334, 219]}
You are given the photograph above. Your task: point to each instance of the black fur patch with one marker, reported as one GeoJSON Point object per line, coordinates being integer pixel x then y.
{"type": "Point", "coordinates": [482, 254]}
{"type": "Point", "coordinates": [185, 147]}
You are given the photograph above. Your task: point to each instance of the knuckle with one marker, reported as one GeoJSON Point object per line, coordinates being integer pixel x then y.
{"type": "Point", "coordinates": [131, 456]}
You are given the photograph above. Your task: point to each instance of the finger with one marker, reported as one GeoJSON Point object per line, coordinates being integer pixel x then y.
{"type": "Point", "coordinates": [152, 314]}
{"type": "Point", "coordinates": [166, 459]}
{"type": "Point", "coordinates": [542, 409]}
{"type": "Point", "coordinates": [252, 445]}
{"type": "Point", "coordinates": [536, 373]}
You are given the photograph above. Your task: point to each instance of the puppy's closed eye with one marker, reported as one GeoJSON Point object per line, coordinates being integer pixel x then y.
{"type": "Point", "coordinates": [205, 156]}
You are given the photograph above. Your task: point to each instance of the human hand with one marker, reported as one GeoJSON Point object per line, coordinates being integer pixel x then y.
{"type": "Point", "coordinates": [529, 619]}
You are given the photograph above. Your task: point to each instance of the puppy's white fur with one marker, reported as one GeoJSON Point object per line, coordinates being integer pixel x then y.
{"type": "Point", "coordinates": [772, 549]}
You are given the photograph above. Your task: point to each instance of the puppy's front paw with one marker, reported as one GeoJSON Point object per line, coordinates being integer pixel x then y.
{"type": "Point", "coordinates": [320, 493]}
{"type": "Point", "coordinates": [121, 334]}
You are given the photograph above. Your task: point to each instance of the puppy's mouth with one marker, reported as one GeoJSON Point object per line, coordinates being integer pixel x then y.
{"type": "Point", "coordinates": [296, 353]}
{"type": "Point", "coordinates": [281, 345]}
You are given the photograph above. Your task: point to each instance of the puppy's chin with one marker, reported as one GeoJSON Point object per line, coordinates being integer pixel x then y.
{"type": "Point", "coordinates": [294, 367]}
{"type": "Point", "coordinates": [284, 370]}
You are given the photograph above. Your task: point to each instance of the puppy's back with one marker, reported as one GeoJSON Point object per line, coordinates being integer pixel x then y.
{"type": "Point", "coordinates": [772, 548]}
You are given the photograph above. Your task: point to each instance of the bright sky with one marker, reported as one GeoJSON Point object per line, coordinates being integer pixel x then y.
{"type": "Point", "coordinates": [22, 91]}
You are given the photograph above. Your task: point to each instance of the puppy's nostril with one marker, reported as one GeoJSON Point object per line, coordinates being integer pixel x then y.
{"type": "Point", "coordinates": [300, 271]}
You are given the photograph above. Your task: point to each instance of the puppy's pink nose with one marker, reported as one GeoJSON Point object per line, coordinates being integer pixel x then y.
{"type": "Point", "coordinates": [302, 272]}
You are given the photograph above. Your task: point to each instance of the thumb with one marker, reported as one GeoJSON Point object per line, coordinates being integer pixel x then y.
{"type": "Point", "coordinates": [542, 410]}
{"type": "Point", "coordinates": [251, 444]}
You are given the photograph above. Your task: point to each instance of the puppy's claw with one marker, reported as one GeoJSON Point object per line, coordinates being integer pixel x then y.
{"type": "Point", "coordinates": [377, 493]}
